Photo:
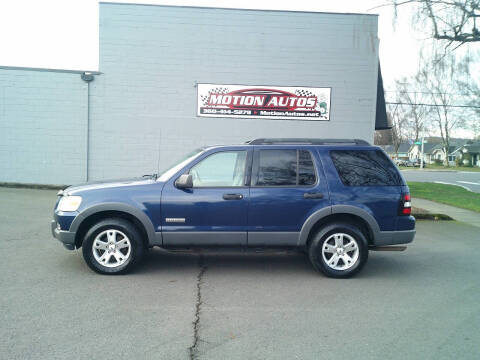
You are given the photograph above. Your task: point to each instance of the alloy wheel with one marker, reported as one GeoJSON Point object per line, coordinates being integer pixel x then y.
{"type": "Point", "coordinates": [340, 251]}
{"type": "Point", "coordinates": [111, 248]}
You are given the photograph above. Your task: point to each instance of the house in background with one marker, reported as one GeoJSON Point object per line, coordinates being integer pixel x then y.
{"type": "Point", "coordinates": [414, 153]}
{"type": "Point", "coordinates": [401, 154]}
{"type": "Point", "coordinates": [466, 150]}
{"type": "Point", "coordinates": [469, 154]}
{"type": "Point", "coordinates": [438, 154]}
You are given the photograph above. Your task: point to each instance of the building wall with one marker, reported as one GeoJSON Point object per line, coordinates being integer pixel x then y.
{"type": "Point", "coordinates": [143, 112]}
{"type": "Point", "coordinates": [43, 122]}
{"type": "Point", "coordinates": [140, 112]}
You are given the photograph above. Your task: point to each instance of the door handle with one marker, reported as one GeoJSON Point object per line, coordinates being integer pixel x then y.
{"type": "Point", "coordinates": [313, 195]}
{"type": "Point", "coordinates": [232, 196]}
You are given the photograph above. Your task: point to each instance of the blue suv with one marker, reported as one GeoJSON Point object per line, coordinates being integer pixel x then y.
{"type": "Point", "coordinates": [333, 199]}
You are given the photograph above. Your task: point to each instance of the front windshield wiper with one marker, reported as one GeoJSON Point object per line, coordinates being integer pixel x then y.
{"type": "Point", "coordinates": [150, 176]}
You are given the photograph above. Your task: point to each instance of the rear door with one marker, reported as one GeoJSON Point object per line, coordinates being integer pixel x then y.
{"type": "Point", "coordinates": [287, 185]}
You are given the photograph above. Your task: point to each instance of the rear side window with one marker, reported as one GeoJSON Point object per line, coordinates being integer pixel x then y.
{"type": "Point", "coordinates": [306, 169]}
{"type": "Point", "coordinates": [287, 167]}
{"type": "Point", "coordinates": [365, 168]}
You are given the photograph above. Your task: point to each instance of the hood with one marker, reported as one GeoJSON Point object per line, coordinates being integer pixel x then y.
{"type": "Point", "coordinates": [105, 184]}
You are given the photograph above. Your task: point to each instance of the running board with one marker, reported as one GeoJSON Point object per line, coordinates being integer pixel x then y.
{"type": "Point", "coordinates": [232, 249]}
{"type": "Point", "coordinates": [387, 248]}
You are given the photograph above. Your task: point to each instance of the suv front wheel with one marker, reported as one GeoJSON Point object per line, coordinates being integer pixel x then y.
{"type": "Point", "coordinates": [338, 250]}
{"type": "Point", "coordinates": [112, 246]}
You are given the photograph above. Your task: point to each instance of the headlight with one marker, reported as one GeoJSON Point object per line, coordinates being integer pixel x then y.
{"type": "Point", "coordinates": [69, 203]}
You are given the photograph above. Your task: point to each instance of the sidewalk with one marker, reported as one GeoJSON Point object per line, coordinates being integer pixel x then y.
{"type": "Point", "coordinates": [466, 216]}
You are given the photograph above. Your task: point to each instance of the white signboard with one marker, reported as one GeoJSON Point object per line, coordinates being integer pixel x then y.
{"type": "Point", "coordinates": [268, 102]}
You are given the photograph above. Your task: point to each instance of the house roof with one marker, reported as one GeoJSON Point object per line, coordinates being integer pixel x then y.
{"type": "Point", "coordinates": [404, 147]}
{"type": "Point", "coordinates": [473, 148]}
{"type": "Point", "coordinates": [428, 147]}
{"type": "Point", "coordinates": [439, 147]}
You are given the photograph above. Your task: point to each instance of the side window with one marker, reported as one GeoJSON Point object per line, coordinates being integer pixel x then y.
{"type": "Point", "coordinates": [365, 168]}
{"type": "Point", "coordinates": [306, 169]}
{"type": "Point", "coordinates": [225, 168]}
{"type": "Point", "coordinates": [287, 167]}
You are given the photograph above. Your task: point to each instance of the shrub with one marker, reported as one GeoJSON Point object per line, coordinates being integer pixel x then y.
{"type": "Point", "coordinates": [467, 159]}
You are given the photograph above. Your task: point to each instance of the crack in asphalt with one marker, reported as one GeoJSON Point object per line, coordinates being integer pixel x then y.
{"type": "Point", "coordinates": [198, 304]}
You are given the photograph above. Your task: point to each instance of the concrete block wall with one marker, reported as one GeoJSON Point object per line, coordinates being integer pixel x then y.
{"type": "Point", "coordinates": [143, 109]}
{"type": "Point", "coordinates": [43, 122]}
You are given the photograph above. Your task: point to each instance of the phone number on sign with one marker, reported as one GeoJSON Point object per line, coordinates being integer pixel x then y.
{"type": "Point", "coordinates": [225, 111]}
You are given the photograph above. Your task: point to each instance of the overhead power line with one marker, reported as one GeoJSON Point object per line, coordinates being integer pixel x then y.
{"type": "Point", "coordinates": [425, 92]}
{"type": "Point", "coordinates": [434, 105]}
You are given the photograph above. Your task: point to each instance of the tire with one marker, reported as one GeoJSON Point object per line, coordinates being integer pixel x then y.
{"type": "Point", "coordinates": [351, 257]}
{"type": "Point", "coordinates": [120, 258]}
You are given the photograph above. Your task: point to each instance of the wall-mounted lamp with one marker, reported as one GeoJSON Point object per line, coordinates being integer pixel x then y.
{"type": "Point", "coordinates": [87, 76]}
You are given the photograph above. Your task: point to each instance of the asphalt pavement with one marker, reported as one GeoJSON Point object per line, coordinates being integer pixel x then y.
{"type": "Point", "coordinates": [419, 304]}
{"type": "Point", "coordinates": [467, 179]}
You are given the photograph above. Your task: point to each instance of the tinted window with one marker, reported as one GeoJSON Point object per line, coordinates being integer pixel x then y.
{"type": "Point", "coordinates": [220, 169]}
{"type": "Point", "coordinates": [284, 168]}
{"type": "Point", "coordinates": [365, 168]}
{"type": "Point", "coordinates": [306, 170]}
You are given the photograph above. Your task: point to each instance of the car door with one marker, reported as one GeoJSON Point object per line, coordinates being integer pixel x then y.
{"type": "Point", "coordinates": [287, 186]}
{"type": "Point", "coordinates": [214, 210]}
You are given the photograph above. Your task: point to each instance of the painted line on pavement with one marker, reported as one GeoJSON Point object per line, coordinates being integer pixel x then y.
{"type": "Point", "coordinates": [468, 182]}
{"type": "Point", "coordinates": [447, 183]}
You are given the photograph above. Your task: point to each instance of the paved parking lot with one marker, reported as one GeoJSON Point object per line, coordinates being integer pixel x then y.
{"type": "Point", "coordinates": [420, 304]}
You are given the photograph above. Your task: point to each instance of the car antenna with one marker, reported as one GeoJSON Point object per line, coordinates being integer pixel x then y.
{"type": "Point", "coordinates": [156, 175]}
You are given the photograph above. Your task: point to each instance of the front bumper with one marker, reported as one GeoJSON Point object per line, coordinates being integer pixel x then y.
{"type": "Point", "coordinates": [67, 238]}
{"type": "Point", "coordinates": [394, 237]}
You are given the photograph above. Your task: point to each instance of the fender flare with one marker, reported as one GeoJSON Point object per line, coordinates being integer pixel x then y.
{"type": "Point", "coordinates": [129, 209]}
{"type": "Point", "coordinates": [337, 209]}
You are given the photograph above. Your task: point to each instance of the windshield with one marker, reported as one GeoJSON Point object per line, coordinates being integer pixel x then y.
{"type": "Point", "coordinates": [170, 170]}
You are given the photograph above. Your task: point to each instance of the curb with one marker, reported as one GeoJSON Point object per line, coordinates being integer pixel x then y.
{"type": "Point", "coordinates": [432, 217]}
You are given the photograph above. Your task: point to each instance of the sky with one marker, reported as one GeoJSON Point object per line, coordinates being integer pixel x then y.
{"type": "Point", "coordinates": [63, 34]}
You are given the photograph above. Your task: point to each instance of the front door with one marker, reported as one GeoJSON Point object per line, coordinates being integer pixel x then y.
{"type": "Point", "coordinates": [214, 211]}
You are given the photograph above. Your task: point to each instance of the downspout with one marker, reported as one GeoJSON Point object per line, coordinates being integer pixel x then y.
{"type": "Point", "coordinates": [88, 78]}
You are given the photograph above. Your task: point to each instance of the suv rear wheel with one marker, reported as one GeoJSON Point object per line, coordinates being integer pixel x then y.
{"type": "Point", "coordinates": [112, 246]}
{"type": "Point", "coordinates": [338, 250]}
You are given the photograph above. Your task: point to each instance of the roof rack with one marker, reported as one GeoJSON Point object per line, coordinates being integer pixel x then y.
{"type": "Point", "coordinates": [307, 141]}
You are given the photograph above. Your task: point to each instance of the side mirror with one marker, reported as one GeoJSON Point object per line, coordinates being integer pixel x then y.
{"type": "Point", "coordinates": [185, 181]}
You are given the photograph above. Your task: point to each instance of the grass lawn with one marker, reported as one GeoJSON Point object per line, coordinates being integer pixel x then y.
{"type": "Point", "coordinates": [441, 167]}
{"type": "Point", "coordinates": [446, 194]}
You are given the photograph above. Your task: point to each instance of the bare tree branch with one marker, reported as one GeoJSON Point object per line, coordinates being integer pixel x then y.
{"type": "Point", "coordinates": [452, 21]}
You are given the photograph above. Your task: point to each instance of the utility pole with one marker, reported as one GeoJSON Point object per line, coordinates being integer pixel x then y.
{"type": "Point", "coordinates": [421, 157]}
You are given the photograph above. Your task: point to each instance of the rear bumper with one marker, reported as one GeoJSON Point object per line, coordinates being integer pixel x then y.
{"type": "Point", "coordinates": [67, 238]}
{"type": "Point", "coordinates": [394, 237]}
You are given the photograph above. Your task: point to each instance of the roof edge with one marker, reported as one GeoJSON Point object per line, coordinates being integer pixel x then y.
{"type": "Point", "coordinates": [26, 68]}
{"type": "Point", "coordinates": [232, 8]}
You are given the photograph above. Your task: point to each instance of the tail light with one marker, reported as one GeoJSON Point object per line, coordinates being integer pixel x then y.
{"type": "Point", "coordinates": [405, 205]}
